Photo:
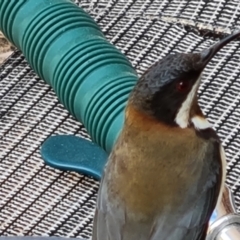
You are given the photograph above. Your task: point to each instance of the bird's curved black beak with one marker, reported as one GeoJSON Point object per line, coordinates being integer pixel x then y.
{"type": "Point", "coordinates": [208, 54]}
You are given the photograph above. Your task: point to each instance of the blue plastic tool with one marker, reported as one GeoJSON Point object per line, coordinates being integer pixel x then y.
{"type": "Point", "coordinates": [68, 152]}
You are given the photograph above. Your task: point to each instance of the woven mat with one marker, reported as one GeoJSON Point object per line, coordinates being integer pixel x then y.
{"type": "Point", "coordinates": [38, 200]}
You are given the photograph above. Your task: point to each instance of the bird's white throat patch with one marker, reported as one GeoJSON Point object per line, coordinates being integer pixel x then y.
{"type": "Point", "coordinates": [182, 118]}
{"type": "Point", "coordinates": [200, 123]}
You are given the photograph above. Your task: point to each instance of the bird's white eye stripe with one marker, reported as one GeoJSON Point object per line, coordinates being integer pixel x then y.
{"type": "Point", "coordinates": [182, 118]}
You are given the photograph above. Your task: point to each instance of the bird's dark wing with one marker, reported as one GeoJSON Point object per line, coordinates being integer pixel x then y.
{"type": "Point", "coordinates": [194, 223]}
{"type": "Point", "coordinates": [107, 222]}
{"type": "Point", "coordinates": [37, 238]}
{"type": "Point", "coordinates": [109, 217]}
{"type": "Point", "coordinates": [203, 208]}
{"type": "Point", "coordinates": [212, 192]}
{"type": "Point", "coordinates": [100, 229]}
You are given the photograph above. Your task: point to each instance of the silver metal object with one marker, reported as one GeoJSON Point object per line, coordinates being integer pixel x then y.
{"type": "Point", "coordinates": [225, 222]}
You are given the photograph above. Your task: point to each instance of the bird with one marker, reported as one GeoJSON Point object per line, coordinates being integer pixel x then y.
{"type": "Point", "coordinates": [166, 171]}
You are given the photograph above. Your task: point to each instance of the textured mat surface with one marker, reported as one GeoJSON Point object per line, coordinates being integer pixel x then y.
{"type": "Point", "coordinates": [38, 200]}
{"type": "Point", "coordinates": [5, 48]}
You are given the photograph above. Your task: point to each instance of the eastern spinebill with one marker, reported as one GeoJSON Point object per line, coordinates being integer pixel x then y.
{"type": "Point", "coordinates": [166, 171]}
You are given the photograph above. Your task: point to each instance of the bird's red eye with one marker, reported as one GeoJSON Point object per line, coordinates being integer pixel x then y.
{"type": "Point", "coordinates": [183, 86]}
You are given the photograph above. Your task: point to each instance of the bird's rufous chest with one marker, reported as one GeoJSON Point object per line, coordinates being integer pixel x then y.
{"type": "Point", "coordinates": [153, 167]}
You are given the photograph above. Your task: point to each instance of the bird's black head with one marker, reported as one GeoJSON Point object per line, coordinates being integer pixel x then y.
{"type": "Point", "coordinates": [168, 90]}
{"type": "Point", "coordinates": [164, 88]}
